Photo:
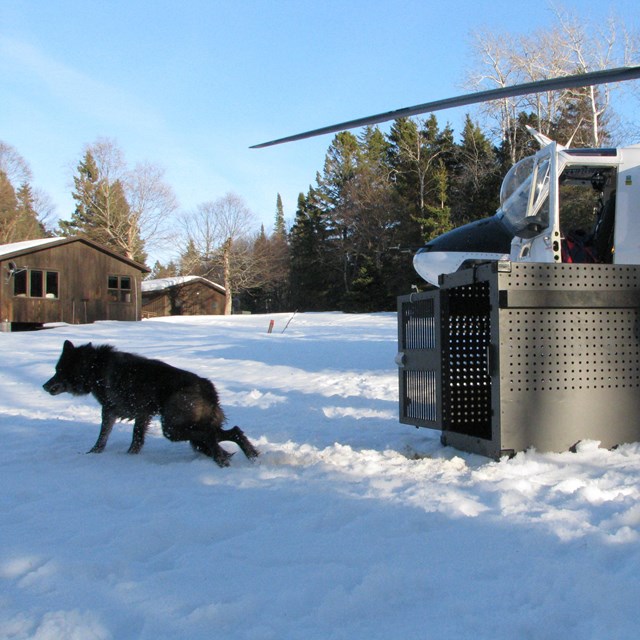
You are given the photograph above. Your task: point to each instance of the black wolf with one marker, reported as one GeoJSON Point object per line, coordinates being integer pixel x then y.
{"type": "Point", "coordinates": [132, 387]}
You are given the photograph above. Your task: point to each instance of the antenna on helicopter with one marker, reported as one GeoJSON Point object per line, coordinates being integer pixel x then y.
{"type": "Point", "coordinates": [589, 79]}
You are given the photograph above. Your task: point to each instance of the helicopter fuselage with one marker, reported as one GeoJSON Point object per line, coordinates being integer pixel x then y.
{"type": "Point", "coordinates": [551, 203]}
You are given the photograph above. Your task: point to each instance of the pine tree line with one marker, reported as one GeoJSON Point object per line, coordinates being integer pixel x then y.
{"type": "Point", "coordinates": [378, 198]}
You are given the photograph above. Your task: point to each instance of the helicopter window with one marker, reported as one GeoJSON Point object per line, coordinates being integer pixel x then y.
{"type": "Point", "coordinates": [526, 197]}
{"type": "Point", "coordinates": [516, 176]}
{"type": "Point", "coordinates": [587, 211]}
{"type": "Point", "coordinates": [539, 195]}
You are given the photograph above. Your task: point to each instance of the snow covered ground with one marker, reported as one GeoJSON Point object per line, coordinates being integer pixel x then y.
{"type": "Point", "coordinates": [350, 525]}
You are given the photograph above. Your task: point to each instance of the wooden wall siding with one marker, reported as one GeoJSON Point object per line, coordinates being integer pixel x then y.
{"type": "Point", "coordinates": [82, 287]}
{"type": "Point", "coordinates": [189, 299]}
{"type": "Point", "coordinates": [155, 304]}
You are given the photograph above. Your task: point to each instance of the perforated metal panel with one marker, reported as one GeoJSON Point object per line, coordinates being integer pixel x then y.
{"type": "Point", "coordinates": [569, 355]}
{"type": "Point", "coordinates": [532, 355]}
{"type": "Point", "coordinates": [571, 349]}
{"type": "Point", "coordinates": [466, 344]}
{"type": "Point", "coordinates": [540, 276]}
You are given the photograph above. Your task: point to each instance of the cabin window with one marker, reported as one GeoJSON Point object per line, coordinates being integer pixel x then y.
{"type": "Point", "coordinates": [36, 283]}
{"type": "Point", "coordinates": [119, 288]}
{"type": "Point", "coordinates": [36, 290]}
{"type": "Point", "coordinates": [20, 283]}
{"type": "Point", "coordinates": [51, 284]}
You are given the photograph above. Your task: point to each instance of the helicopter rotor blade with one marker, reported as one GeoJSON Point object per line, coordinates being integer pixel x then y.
{"type": "Point", "coordinates": [589, 79]}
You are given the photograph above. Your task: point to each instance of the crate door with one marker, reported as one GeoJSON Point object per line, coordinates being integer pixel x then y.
{"type": "Point", "coordinates": [419, 359]}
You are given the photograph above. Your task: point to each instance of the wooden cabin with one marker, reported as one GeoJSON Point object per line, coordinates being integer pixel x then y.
{"type": "Point", "coordinates": [182, 296]}
{"type": "Point", "coordinates": [73, 280]}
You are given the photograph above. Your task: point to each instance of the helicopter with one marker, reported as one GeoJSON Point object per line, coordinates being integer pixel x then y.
{"type": "Point", "coordinates": [560, 205]}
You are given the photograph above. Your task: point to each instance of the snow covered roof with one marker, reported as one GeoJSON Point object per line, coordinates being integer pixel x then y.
{"type": "Point", "coordinates": [159, 284]}
{"type": "Point", "coordinates": [26, 246]}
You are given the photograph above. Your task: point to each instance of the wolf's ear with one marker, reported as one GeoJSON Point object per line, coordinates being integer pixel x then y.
{"type": "Point", "coordinates": [67, 346]}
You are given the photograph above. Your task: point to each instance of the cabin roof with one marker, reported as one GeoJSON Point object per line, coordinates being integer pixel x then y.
{"type": "Point", "coordinates": [160, 284]}
{"type": "Point", "coordinates": [22, 247]}
{"type": "Point", "coordinates": [16, 249]}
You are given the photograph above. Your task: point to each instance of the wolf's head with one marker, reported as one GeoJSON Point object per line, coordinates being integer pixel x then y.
{"type": "Point", "coordinates": [75, 371]}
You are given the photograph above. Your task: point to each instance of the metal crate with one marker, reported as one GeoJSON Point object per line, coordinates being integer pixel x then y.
{"type": "Point", "coordinates": [510, 356]}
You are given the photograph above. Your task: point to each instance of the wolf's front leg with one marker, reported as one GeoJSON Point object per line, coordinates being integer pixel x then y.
{"type": "Point", "coordinates": [108, 420]}
{"type": "Point", "coordinates": [139, 430]}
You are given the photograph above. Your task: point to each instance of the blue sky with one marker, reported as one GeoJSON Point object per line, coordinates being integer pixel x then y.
{"type": "Point", "coordinates": [191, 85]}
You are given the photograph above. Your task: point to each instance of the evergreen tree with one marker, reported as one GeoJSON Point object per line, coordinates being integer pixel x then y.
{"type": "Point", "coordinates": [120, 229]}
{"type": "Point", "coordinates": [277, 286]}
{"type": "Point", "coordinates": [312, 283]}
{"type": "Point", "coordinates": [332, 204]}
{"type": "Point", "coordinates": [369, 228]}
{"type": "Point", "coordinates": [18, 218]}
{"type": "Point", "coordinates": [102, 212]}
{"type": "Point", "coordinates": [8, 206]}
{"type": "Point", "coordinates": [525, 144]}
{"type": "Point", "coordinates": [272, 260]}
{"type": "Point", "coordinates": [160, 270]}
{"type": "Point", "coordinates": [339, 168]}
{"type": "Point", "coordinates": [476, 181]}
{"type": "Point", "coordinates": [421, 157]}
{"type": "Point", "coordinates": [279, 227]}
{"type": "Point", "coordinates": [574, 125]}
{"type": "Point", "coordinates": [88, 199]}
{"type": "Point", "coordinates": [405, 165]}
{"type": "Point", "coordinates": [190, 262]}
{"type": "Point", "coordinates": [29, 227]}
{"type": "Point", "coordinates": [436, 218]}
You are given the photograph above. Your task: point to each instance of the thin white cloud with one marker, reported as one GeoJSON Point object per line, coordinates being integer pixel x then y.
{"type": "Point", "coordinates": [74, 89]}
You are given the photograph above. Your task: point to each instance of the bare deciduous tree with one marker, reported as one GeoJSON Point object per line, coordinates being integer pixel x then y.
{"type": "Point", "coordinates": [44, 208]}
{"type": "Point", "coordinates": [220, 232]}
{"type": "Point", "coordinates": [570, 47]}
{"type": "Point", "coordinates": [152, 203]}
{"type": "Point", "coordinates": [13, 165]}
{"type": "Point", "coordinates": [496, 70]}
